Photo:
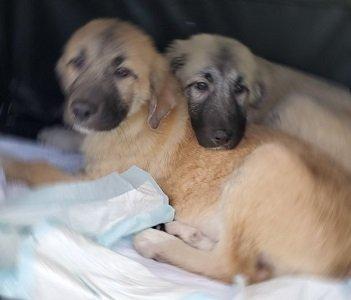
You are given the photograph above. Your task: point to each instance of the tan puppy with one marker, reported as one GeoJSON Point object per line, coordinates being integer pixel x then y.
{"type": "Point", "coordinates": [271, 206]}
{"type": "Point", "coordinates": [226, 84]}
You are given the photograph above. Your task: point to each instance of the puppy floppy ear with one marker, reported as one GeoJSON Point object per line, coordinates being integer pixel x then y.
{"type": "Point", "coordinates": [256, 94]}
{"type": "Point", "coordinates": [163, 93]}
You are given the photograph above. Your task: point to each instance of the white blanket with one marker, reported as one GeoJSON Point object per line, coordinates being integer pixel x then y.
{"type": "Point", "coordinates": [69, 261]}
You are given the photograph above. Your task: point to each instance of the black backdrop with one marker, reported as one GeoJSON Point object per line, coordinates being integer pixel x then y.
{"type": "Point", "coordinates": [313, 35]}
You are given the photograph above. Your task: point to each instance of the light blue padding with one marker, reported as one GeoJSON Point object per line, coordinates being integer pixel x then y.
{"type": "Point", "coordinates": [23, 214]}
{"type": "Point", "coordinates": [137, 177]}
{"type": "Point", "coordinates": [347, 288]}
{"type": "Point", "coordinates": [18, 282]}
{"type": "Point", "coordinates": [10, 287]}
{"type": "Point", "coordinates": [9, 284]}
{"type": "Point", "coordinates": [42, 203]}
{"type": "Point", "coordinates": [69, 193]}
{"type": "Point", "coordinates": [136, 224]}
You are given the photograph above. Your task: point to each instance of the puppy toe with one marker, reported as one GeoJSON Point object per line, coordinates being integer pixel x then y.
{"type": "Point", "coordinates": [187, 233]}
{"type": "Point", "coordinates": [151, 243]}
{"type": "Point", "coordinates": [172, 228]}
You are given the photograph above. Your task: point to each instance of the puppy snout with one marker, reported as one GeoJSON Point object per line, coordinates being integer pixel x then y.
{"type": "Point", "coordinates": [83, 110]}
{"type": "Point", "coordinates": [222, 137]}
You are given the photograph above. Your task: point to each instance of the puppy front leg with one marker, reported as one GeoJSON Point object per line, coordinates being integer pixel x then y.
{"type": "Point", "coordinates": [163, 247]}
{"type": "Point", "coordinates": [36, 173]}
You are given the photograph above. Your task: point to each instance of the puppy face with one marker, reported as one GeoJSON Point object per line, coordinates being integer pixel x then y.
{"type": "Point", "coordinates": [216, 76]}
{"type": "Point", "coordinates": [108, 71]}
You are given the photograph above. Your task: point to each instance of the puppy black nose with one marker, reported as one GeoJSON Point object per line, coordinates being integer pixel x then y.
{"type": "Point", "coordinates": [221, 137]}
{"type": "Point", "coordinates": [83, 110]}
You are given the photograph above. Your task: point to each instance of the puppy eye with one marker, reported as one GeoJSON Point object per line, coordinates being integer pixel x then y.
{"type": "Point", "coordinates": [239, 88]}
{"type": "Point", "coordinates": [122, 72]}
{"type": "Point", "coordinates": [77, 62]}
{"type": "Point", "coordinates": [201, 86]}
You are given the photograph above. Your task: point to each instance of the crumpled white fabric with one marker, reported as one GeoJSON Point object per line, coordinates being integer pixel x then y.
{"type": "Point", "coordinates": [296, 288]}
{"type": "Point", "coordinates": [57, 263]}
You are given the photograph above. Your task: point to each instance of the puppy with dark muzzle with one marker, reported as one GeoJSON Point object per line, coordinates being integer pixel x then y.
{"type": "Point", "coordinates": [91, 82]}
{"type": "Point", "coordinates": [227, 85]}
{"type": "Point", "coordinates": [262, 209]}
{"type": "Point", "coordinates": [216, 94]}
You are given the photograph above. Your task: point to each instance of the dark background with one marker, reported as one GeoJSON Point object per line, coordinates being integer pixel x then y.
{"type": "Point", "coordinates": [313, 35]}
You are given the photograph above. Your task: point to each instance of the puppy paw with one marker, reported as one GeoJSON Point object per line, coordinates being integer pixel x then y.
{"type": "Point", "coordinates": [186, 233]}
{"type": "Point", "coordinates": [190, 235]}
{"type": "Point", "coordinates": [60, 138]}
{"type": "Point", "coordinates": [152, 243]}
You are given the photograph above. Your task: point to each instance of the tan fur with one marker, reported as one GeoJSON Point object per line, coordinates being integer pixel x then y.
{"type": "Point", "coordinates": [271, 197]}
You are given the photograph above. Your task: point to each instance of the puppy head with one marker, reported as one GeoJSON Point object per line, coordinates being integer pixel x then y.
{"type": "Point", "coordinates": [109, 70]}
{"type": "Point", "coordinates": [217, 75]}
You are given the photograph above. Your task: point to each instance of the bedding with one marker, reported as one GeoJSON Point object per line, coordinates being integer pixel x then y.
{"type": "Point", "coordinates": [50, 248]}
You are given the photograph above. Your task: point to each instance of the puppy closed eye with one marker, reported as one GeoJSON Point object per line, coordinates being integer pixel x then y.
{"type": "Point", "coordinates": [239, 87]}
{"type": "Point", "coordinates": [77, 62]}
{"type": "Point", "coordinates": [122, 72]}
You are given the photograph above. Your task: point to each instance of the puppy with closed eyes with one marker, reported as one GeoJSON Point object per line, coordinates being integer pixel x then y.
{"type": "Point", "coordinates": [227, 86]}
{"type": "Point", "coordinates": [270, 206]}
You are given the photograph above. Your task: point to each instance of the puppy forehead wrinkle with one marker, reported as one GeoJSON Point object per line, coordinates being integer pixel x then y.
{"type": "Point", "coordinates": [208, 72]}
{"type": "Point", "coordinates": [108, 41]}
{"type": "Point", "coordinates": [232, 77]}
{"type": "Point", "coordinates": [225, 53]}
{"type": "Point", "coordinates": [107, 36]}
{"type": "Point", "coordinates": [222, 58]}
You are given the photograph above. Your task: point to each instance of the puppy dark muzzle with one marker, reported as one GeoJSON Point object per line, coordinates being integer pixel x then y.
{"type": "Point", "coordinates": [218, 139]}
{"type": "Point", "coordinates": [94, 104]}
{"type": "Point", "coordinates": [214, 130]}
{"type": "Point", "coordinates": [83, 110]}
{"type": "Point", "coordinates": [102, 115]}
